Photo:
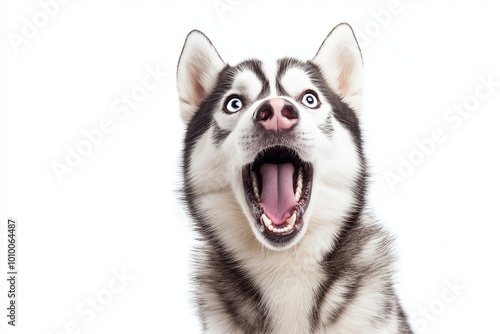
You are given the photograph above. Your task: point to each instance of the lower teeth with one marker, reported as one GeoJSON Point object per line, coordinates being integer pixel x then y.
{"type": "Point", "coordinates": [290, 223]}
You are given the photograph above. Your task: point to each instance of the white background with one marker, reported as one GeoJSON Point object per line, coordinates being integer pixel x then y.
{"type": "Point", "coordinates": [118, 210]}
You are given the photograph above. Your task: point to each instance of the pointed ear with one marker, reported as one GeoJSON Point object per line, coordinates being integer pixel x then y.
{"type": "Point", "coordinates": [340, 61]}
{"type": "Point", "coordinates": [197, 72]}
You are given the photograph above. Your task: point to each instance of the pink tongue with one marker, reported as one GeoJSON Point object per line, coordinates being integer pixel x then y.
{"type": "Point", "coordinates": [277, 197]}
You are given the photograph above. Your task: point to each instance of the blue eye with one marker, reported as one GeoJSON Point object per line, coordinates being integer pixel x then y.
{"type": "Point", "coordinates": [310, 100]}
{"type": "Point", "coordinates": [234, 105]}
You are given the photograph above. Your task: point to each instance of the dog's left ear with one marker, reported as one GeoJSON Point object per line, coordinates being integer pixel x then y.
{"type": "Point", "coordinates": [340, 61]}
{"type": "Point", "coordinates": [197, 72]}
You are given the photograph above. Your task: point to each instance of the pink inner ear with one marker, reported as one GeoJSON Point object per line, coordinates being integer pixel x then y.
{"type": "Point", "coordinates": [345, 68]}
{"type": "Point", "coordinates": [195, 73]}
{"type": "Point", "coordinates": [197, 89]}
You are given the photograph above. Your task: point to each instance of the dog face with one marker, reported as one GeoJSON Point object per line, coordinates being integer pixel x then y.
{"type": "Point", "coordinates": [272, 148]}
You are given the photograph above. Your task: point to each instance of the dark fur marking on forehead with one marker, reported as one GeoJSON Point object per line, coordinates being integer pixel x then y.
{"type": "Point", "coordinates": [255, 66]}
{"type": "Point", "coordinates": [284, 65]}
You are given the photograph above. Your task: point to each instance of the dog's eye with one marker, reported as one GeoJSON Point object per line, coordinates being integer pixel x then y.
{"type": "Point", "coordinates": [310, 100]}
{"type": "Point", "coordinates": [234, 105]}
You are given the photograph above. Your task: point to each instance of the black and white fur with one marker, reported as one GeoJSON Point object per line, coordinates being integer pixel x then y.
{"type": "Point", "coordinates": [332, 273]}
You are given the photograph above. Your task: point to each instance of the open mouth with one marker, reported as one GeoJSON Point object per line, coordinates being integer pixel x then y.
{"type": "Point", "coordinates": [278, 186]}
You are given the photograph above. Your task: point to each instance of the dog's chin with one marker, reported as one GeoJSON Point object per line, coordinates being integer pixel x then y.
{"type": "Point", "coordinates": [277, 186]}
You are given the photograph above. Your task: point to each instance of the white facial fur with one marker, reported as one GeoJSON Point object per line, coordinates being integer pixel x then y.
{"type": "Point", "coordinates": [215, 171]}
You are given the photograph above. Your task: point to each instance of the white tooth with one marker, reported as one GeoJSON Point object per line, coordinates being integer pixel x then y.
{"type": "Point", "coordinates": [291, 221]}
{"type": "Point", "coordinates": [298, 188]}
{"type": "Point", "coordinates": [255, 185]}
{"type": "Point", "coordinates": [256, 193]}
{"type": "Point", "coordinates": [298, 193]}
{"type": "Point", "coordinates": [266, 220]}
{"type": "Point", "coordinates": [254, 179]}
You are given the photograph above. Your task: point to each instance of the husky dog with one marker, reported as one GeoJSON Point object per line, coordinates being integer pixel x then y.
{"type": "Point", "coordinates": [275, 181]}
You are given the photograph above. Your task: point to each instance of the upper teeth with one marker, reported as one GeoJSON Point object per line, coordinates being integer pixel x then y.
{"type": "Point", "coordinates": [298, 189]}
{"type": "Point", "coordinates": [255, 185]}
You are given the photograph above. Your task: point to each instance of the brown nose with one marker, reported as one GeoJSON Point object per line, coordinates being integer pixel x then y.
{"type": "Point", "coordinates": [276, 115]}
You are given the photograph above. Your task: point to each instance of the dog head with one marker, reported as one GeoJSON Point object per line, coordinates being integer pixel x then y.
{"type": "Point", "coordinates": [272, 148]}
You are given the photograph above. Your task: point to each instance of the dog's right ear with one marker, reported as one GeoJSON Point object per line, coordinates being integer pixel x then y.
{"type": "Point", "coordinates": [197, 72]}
